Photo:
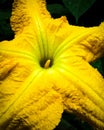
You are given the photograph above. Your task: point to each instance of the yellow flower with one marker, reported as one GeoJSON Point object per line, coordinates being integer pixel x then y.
{"type": "Point", "coordinates": [45, 70]}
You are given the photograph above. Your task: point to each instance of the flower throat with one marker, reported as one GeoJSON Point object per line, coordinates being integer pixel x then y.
{"type": "Point", "coordinates": [46, 63]}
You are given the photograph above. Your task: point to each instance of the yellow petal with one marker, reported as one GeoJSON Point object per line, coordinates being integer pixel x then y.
{"type": "Point", "coordinates": [35, 106]}
{"type": "Point", "coordinates": [25, 12]}
{"type": "Point", "coordinates": [81, 87]}
{"type": "Point", "coordinates": [84, 42]}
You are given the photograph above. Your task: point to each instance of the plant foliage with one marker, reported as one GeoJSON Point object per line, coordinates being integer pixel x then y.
{"type": "Point", "coordinates": [78, 7]}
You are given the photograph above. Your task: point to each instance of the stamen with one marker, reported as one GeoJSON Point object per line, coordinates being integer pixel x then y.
{"type": "Point", "coordinates": [47, 64]}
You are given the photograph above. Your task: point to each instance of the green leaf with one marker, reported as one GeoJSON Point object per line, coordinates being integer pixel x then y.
{"type": "Point", "coordinates": [99, 65]}
{"type": "Point", "coordinates": [70, 121]}
{"type": "Point", "coordinates": [5, 28]}
{"type": "Point", "coordinates": [57, 9]}
{"type": "Point", "coordinates": [65, 125]}
{"type": "Point", "coordinates": [78, 7]}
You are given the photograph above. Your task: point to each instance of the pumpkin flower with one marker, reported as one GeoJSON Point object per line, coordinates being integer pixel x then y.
{"type": "Point", "coordinates": [45, 70]}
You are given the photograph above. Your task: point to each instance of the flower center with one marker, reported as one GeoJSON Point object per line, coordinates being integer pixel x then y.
{"type": "Point", "coordinates": [46, 63]}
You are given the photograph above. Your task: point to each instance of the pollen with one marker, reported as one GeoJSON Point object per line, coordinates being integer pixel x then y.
{"type": "Point", "coordinates": [47, 64]}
